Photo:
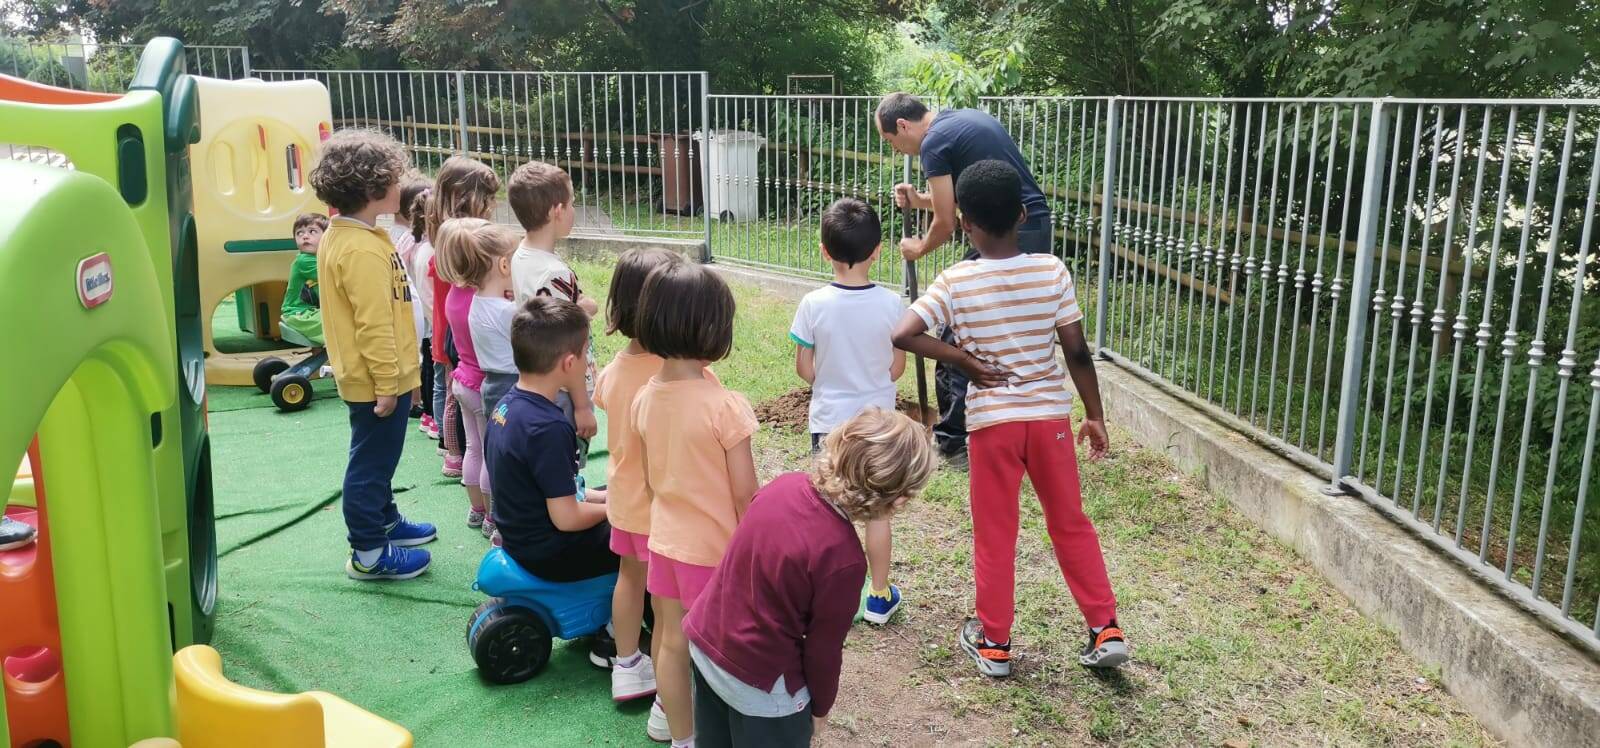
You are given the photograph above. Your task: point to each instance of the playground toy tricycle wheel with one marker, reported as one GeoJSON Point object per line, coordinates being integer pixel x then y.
{"type": "Point", "coordinates": [265, 370]}
{"type": "Point", "coordinates": [509, 643]}
{"type": "Point", "coordinates": [291, 392]}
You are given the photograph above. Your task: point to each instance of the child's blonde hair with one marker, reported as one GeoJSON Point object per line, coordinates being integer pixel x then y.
{"type": "Point", "coordinates": [873, 460]}
{"type": "Point", "coordinates": [463, 188]}
{"type": "Point", "coordinates": [468, 248]}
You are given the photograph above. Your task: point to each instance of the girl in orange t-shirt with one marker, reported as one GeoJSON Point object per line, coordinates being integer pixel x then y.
{"type": "Point", "coordinates": [697, 462]}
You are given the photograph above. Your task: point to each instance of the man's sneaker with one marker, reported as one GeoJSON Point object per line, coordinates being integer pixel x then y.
{"type": "Point", "coordinates": [406, 533]}
{"type": "Point", "coordinates": [395, 562]}
{"type": "Point", "coordinates": [637, 682]}
{"type": "Point", "coordinates": [15, 534]}
{"type": "Point", "coordinates": [474, 518]}
{"type": "Point", "coordinates": [1106, 648]}
{"type": "Point", "coordinates": [879, 609]}
{"type": "Point", "coordinates": [994, 660]}
{"type": "Point", "coordinates": [452, 466]}
{"type": "Point", "coordinates": [656, 727]}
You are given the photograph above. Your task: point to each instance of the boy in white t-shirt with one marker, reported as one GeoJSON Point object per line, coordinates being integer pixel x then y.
{"type": "Point", "coordinates": [541, 197]}
{"type": "Point", "coordinates": [843, 350]}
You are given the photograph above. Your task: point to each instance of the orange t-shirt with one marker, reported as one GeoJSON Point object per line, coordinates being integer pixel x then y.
{"type": "Point", "coordinates": [687, 428]}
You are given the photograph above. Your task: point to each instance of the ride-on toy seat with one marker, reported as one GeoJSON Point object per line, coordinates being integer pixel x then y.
{"type": "Point", "coordinates": [290, 384]}
{"type": "Point", "coordinates": [214, 711]}
{"type": "Point", "coordinates": [510, 634]}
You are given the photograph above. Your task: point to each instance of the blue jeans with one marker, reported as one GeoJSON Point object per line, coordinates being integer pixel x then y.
{"type": "Point", "coordinates": [441, 385]}
{"type": "Point", "coordinates": [375, 446]}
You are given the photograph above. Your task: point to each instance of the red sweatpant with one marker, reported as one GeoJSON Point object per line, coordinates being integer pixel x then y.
{"type": "Point", "coordinates": [999, 455]}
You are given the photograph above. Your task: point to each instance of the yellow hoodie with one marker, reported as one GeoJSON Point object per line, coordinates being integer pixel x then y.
{"type": "Point", "coordinates": [366, 312]}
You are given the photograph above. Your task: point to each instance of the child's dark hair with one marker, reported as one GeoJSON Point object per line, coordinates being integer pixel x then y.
{"type": "Point", "coordinates": [310, 219]}
{"type": "Point", "coordinates": [685, 311]}
{"type": "Point", "coordinates": [534, 188]}
{"type": "Point", "coordinates": [850, 231]}
{"type": "Point", "coordinates": [989, 194]}
{"type": "Point", "coordinates": [357, 167]}
{"type": "Point", "coordinates": [545, 329]}
{"type": "Point", "coordinates": [627, 283]}
{"type": "Point", "coordinates": [414, 203]}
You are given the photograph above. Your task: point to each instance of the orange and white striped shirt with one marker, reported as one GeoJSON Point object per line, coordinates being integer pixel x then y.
{"type": "Point", "coordinates": [1005, 312]}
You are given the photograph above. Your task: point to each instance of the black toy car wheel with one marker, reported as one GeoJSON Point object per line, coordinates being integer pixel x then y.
{"type": "Point", "coordinates": [508, 643]}
{"type": "Point", "coordinates": [265, 370]}
{"type": "Point", "coordinates": [291, 392]}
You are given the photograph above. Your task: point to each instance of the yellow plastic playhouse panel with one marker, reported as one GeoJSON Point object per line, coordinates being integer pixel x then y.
{"type": "Point", "coordinates": [258, 142]}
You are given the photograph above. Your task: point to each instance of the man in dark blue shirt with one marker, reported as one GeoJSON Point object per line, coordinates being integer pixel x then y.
{"type": "Point", "coordinates": [947, 142]}
{"type": "Point", "coordinates": [532, 449]}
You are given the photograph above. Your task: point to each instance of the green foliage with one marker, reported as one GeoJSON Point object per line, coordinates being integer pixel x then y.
{"type": "Point", "coordinates": [958, 81]}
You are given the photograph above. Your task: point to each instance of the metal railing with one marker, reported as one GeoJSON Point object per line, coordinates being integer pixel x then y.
{"type": "Point", "coordinates": [627, 138]}
{"type": "Point", "coordinates": [1336, 277]}
{"type": "Point", "coordinates": [108, 67]}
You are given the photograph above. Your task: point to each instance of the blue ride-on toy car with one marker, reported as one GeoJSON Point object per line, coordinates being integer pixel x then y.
{"type": "Point", "coordinates": [510, 634]}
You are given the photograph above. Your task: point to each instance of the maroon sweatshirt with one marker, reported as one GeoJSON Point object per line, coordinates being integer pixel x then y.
{"type": "Point", "coordinates": [785, 593]}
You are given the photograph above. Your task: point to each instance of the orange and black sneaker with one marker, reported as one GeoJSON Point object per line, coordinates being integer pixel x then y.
{"type": "Point", "coordinates": [1106, 647]}
{"type": "Point", "coordinates": [994, 660]}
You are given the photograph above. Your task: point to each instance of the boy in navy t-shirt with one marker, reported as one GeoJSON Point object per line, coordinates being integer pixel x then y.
{"type": "Point", "coordinates": [532, 449]}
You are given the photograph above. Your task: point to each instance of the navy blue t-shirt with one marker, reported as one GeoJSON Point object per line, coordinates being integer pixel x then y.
{"type": "Point", "coordinates": [959, 138]}
{"type": "Point", "coordinates": [532, 451]}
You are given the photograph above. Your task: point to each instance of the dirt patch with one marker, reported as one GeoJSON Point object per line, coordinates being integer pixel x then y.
{"type": "Point", "coordinates": [792, 410]}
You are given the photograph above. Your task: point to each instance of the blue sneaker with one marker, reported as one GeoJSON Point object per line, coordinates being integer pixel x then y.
{"type": "Point", "coordinates": [879, 609]}
{"type": "Point", "coordinates": [395, 562]}
{"type": "Point", "coordinates": [406, 533]}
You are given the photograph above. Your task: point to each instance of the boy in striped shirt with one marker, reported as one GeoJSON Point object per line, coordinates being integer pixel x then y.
{"type": "Point", "coordinates": [1008, 310]}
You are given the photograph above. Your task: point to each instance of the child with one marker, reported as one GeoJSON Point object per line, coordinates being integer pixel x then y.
{"type": "Point", "coordinates": [1007, 310]}
{"type": "Point", "coordinates": [470, 251]}
{"type": "Point", "coordinates": [541, 197]}
{"type": "Point", "coordinates": [301, 302]}
{"type": "Point", "coordinates": [464, 188]}
{"type": "Point", "coordinates": [420, 271]}
{"type": "Point", "coordinates": [767, 635]}
{"type": "Point", "coordinates": [841, 334]}
{"type": "Point", "coordinates": [628, 506]}
{"type": "Point", "coordinates": [406, 234]}
{"type": "Point", "coordinates": [698, 467]}
{"type": "Point", "coordinates": [366, 309]}
{"type": "Point", "coordinates": [545, 525]}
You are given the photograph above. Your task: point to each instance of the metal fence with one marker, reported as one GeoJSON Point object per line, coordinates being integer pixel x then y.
{"type": "Point", "coordinates": [1339, 277]}
{"type": "Point", "coordinates": [108, 67]}
{"type": "Point", "coordinates": [629, 140]}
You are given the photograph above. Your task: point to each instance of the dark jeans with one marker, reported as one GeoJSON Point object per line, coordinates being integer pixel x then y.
{"type": "Point", "coordinates": [588, 556]}
{"type": "Point", "coordinates": [495, 386]}
{"type": "Point", "coordinates": [375, 446]}
{"type": "Point", "coordinates": [427, 377]}
{"type": "Point", "coordinates": [717, 725]}
{"type": "Point", "coordinates": [949, 383]}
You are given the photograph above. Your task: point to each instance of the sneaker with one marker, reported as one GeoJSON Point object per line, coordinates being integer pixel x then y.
{"type": "Point", "coordinates": [1106, 648]}
{"type": "Point", "coordinates": [452, 466]}
{"type": "Point", "coordinates": [416, 411]}
{"type": "Point", "coordinates": [879, 609]}
{"type": "Point", "coordinates": [637, 682]}
{"type": "Point", "coordinates": [425, 423]}
{"type": "Point", "coordinates": [488, 527]}
{"type": "Point", "coordinates": [405, 533]}
{"type": "Point", "coordinates": [494, 540]}
{"type": "Point", "coordinates": [656, 727]}
{"type": "Point", "coordinates": [602, 649]}
{"type": "Point", "coordinates": [994, 660]}
{"type": "Point", "coordinates": [474, 518]}
{"type": "Point", "coordinates": [15, 534]}
{"type": "Point", "coordinates": [396, 562]}
{"type": "Point", "coordinates": [432, 430]}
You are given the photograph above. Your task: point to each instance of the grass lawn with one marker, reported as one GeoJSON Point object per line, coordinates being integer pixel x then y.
{"type": "Point", "coordinates": [1236, 640]}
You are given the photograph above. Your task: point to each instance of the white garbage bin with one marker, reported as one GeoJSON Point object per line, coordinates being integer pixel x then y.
{"type": "Point", "coordinates": [733, 194]}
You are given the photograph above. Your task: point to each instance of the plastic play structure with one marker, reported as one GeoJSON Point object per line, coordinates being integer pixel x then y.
{"type": "Point", "coordinates": [251, 165]}
{"type": "Point", "coordinates": [106, 398]}
{"type": "Point", "coordinates": [510, 634]}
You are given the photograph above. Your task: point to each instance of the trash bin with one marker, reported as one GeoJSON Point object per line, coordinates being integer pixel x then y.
{"type": "Point", "coordinates": [733, 194]}
{"type": "Point", "coordinates": [680, 174]}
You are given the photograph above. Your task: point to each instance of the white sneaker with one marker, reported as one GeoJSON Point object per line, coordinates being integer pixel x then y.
{"type": "Point", "coordinates": [656, 727]}
{"type": "Point", "coordinates": [637, 682]}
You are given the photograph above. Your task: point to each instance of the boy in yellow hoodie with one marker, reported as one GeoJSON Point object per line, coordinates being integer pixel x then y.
{"type": "Point", "coordinates": [372, 346]}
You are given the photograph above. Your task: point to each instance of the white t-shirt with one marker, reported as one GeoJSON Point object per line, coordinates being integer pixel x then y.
{"type": "Point", "coordinates": [539, 272]}
{"type": "Point", "coordinates": [849, 329]}
{"type": "Point", "coordinates": [490, 322]}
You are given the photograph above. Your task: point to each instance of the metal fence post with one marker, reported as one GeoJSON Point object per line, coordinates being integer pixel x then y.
{"type": "Point", "coordinates": [244, 60]}
{"type": "Point", "coordinates": [1107, 220]}
{"type": "Point", "coordinates": [1368, 225]}
{"type": "Point", "coordinates": [705, 160]}
{"type": "Point", "coordinates": [461, 109]}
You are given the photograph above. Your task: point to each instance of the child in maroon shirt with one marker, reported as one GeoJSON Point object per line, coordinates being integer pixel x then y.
{"type": "Point", "coordinates": [767, 634]}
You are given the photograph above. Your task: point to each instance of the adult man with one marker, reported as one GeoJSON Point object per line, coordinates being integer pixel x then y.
{"type": "Point", "coordinates": [947, 142]}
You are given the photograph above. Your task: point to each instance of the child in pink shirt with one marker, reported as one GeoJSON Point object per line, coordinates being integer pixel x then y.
{"type": "Point", "coordinates": [698, 466]}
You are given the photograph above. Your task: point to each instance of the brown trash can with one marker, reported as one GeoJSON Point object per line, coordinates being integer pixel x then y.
{"type": "Point", "coordinates": [680, 174]}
